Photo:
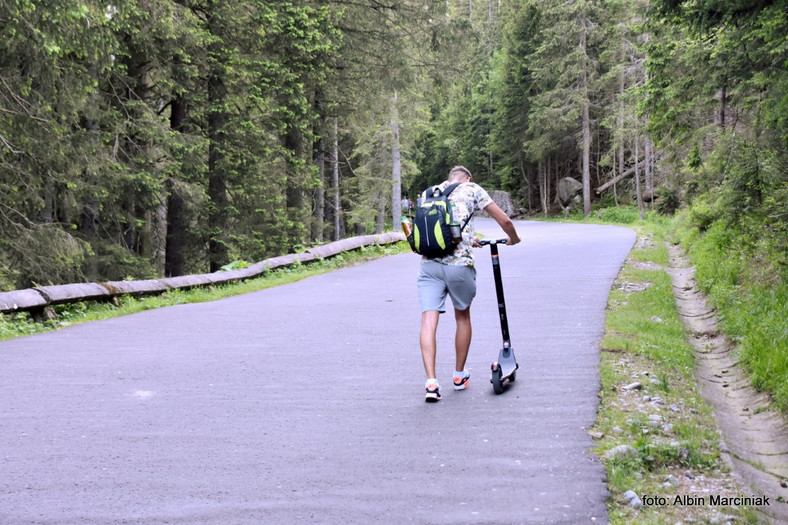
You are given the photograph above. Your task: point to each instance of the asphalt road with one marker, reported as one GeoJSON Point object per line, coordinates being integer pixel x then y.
{"type": "Point", "coordinates": [304, 403]}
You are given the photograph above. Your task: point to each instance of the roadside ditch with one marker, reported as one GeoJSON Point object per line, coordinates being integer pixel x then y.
{"type": "Point", "coordinates": [683, 437]}
{"type": "Point", "coordinates": [754, 435]}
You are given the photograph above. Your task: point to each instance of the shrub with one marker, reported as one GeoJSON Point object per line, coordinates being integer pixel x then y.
{"type": "Point", "coordinates": [702, 213]}
{"type": "Point", "coordinates": [620, 215]}
{"type": "Point", "coordinates": [668, 201]}
{"type": "Point", "coordinates": [45, 254]}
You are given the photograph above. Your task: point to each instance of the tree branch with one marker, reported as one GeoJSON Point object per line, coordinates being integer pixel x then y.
{"type": "Point", "coordinates": [8, 145]}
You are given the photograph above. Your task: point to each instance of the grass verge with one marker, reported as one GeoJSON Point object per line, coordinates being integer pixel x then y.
{"type": "Point", "coordinates": [21, 323]}
{"type": "Point", "coordinates": [742, 267]}
{"type": "Point", "coordinates": [666, 449]}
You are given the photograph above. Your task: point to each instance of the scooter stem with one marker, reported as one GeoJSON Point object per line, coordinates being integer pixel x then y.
{"type": "Point", "coordinates": [507, 343]}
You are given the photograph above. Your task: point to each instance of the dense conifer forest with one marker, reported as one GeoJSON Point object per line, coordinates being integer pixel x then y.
{"type": "Point", "coordinates": [142, 138]}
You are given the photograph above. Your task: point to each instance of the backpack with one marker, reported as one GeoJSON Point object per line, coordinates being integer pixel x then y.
{"type": "Point", "coordinates": [432, 224]}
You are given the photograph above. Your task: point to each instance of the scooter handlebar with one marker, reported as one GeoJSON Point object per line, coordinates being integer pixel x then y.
{"type": "Point", "coordinates": [485, 242]}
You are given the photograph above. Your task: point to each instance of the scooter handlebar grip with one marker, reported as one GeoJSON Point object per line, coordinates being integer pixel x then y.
{"type": "Point", "coordinates": [485, 242]}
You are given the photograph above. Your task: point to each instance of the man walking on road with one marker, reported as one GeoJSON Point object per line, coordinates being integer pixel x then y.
{"type": "Point", "coordinates": [455, 275]}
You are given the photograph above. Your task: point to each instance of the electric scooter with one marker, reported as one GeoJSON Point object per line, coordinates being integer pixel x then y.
{"type": "Point", "coordinates": [505, 368]}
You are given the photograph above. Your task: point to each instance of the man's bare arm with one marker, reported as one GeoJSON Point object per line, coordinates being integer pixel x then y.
{"type": "Point", "coordinates": [503, 220]}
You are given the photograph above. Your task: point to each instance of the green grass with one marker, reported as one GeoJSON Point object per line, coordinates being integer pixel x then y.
{"type": "Point", "coordinates": [650, 321]}
{"type": "Point", "coordinates": [743, 269]}
{"type": "Point", "coordinates": [21, 323]}
{"type": "Point", "coordinates": [645, 341]}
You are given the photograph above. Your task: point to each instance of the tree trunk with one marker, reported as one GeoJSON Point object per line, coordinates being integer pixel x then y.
{"type": "Point", "coordinates": [158, 257]}
{"type": "Point", "coordinates": [638, 190]}
{"type": "Point", "coordinates": [649, 183]}
{"type": "Point", "coordinates": [295, 191]}
{"type": "Point", "coordinates": [615, 180]}
{"type": "Point", "coordinates": [615, 193]}
{"type": "Point", "coordinates": [528, 178]}
{"type": "Point", "coordinates": [175, 257]}
{"type": "Point", "coordinates": [335, 183]}
{"type": "Point", "coordinates": [319, 158]}
{"type": "Point", "coordinates": [553, 174]}
{"type": "Point", "coordinates": [380, 218]}
{"type": "Point", "coordinates": [50, 198]}
{"type": "Point", "coordinates": [218, 254]}
{"type": "Point", "coordinates": [156, 218]}
{"type": "Point", "coordinates": [586, 131]}
{"type": "Point", "coordinates": [723, 102]}
{"type": "Point", "coordinates": [218, 214]}
{"type": "Point", "coordinates": [318, 216]}
{"type": "Point", "coordinates": [396, 165]}
{"type": "Point", "coordinates": [597, 157]}
{"type": "Point", "coordinates": [620, 139]}
{"type": "Point", "coordinates": [175, 253]}
{"type": "Point", "coordinates": [542, 176]}
{"type": "Point", "coordinates": [91, 209]}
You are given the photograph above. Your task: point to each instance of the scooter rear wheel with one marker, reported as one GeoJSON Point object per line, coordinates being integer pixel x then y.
{"type": "Point", "coordinates": [497, 379]}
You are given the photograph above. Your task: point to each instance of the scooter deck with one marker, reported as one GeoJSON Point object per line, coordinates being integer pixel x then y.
{"type": "Point", "coordinates": [507, 362]}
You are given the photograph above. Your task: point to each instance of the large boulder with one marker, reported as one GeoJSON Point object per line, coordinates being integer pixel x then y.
{"type": "Point", "coordinates": [504, 201]}
{"type": "Point", "coordinates": [569, 190]}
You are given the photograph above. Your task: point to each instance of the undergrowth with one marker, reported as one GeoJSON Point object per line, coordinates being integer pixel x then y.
{"type": "Point", "coordinates": [747, 283]}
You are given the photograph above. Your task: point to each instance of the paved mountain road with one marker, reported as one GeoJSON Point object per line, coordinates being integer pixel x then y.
{"type": "Point", "coordinates": [304, 403]}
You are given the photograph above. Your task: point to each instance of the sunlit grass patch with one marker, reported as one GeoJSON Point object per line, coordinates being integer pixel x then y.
{"type": "Point", "coordinates": [643, 307]}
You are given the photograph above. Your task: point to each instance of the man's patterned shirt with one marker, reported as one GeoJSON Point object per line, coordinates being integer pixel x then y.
{"type": "Point", "coordinates": [466, 197]}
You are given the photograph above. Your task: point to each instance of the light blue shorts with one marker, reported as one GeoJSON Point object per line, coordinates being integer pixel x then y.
{"type": "Point", "coordinates": [437, 280]}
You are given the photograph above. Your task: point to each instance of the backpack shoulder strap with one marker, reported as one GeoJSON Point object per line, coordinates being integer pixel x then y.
{"type": "Point", "coordinates": [450, 188]}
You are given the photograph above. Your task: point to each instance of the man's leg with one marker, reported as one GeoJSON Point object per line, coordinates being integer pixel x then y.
{"type": "Point", "coordinates": [462, 338]}
{"type": "Point", "coordinates": [429, 328]}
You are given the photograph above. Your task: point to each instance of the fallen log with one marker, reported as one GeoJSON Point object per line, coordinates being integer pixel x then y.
{"type": "Point", "coordinates": [40, 298]}
{"type": "Point", "coordinates": [614, 180]}
{"type": "Point", "coordinates": [27, 299]}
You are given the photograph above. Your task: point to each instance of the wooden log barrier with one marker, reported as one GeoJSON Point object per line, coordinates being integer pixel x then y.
{"type": "Point", "coordinates": [145, 287]}
{"type": "Point", "coordinates": [72, 293]}
{"type": "Point", "coordinates": [38, 298]}
{"type": "Point", "coordinates": [20, 300]}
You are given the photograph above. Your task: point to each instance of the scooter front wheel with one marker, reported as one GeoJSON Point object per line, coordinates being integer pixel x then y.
{"type": "Point", "coordinates": [497, 379]}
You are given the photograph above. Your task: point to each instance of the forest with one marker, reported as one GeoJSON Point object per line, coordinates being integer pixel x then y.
{"type": "Point", "coordinates": [144, 138]}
